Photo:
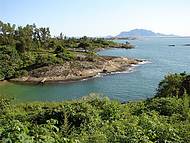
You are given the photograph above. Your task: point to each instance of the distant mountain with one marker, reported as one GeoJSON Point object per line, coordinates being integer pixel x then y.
{"type": "Point", "coordinates": [140, 33]}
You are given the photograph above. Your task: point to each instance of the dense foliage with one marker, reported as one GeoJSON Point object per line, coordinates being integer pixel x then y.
{"type": "Point", "coordinates": [164, 118]}
{"type": "Point", "coordinates": [174, 85]}
{"type": "Point", "coordinates": [24, 48]}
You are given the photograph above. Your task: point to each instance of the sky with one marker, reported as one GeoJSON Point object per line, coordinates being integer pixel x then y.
{"type": "Point", "coordinates": [99, 17]}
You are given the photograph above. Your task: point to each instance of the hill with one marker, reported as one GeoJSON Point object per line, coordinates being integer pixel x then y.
{"type": "Point", "coordinates": [140, 33]}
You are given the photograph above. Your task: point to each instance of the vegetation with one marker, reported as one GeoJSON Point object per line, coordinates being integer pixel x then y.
{"type": "Point", "coordinates": [25, 48]}
{"type": "Point", "coordinates": [174, 85]}
{"type": "Point", "coordinates": [164, 118]}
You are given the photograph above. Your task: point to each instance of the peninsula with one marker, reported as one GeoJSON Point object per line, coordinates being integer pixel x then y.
{"type": "Point", "coordinates": [31, 54]}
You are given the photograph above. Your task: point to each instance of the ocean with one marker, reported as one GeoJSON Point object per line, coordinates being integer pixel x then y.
{"type": "Point", "coordinates": [140, 82]}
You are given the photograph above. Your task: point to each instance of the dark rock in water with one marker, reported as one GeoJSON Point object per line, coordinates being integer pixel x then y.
{"type": "Point", "coordinates": [171, 45]}
{"type": "Point", "coordinates": [186, 45]}
{"type": "Point", "coordinates": [105, 71]}
{"type": "Point", "coordinates": [127, 42]}
{"type": "Point", "coordinates": [138, 60]}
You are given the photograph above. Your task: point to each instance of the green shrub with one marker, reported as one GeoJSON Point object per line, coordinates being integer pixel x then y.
{"type": "Point", "coordinates": [95, 119]}
{"type": "Point", "coordinates": [165, 106]}
{"type": "Point", "coordinates": [66, 55]}
{"type": "Point", "coordinates": [10, 61]}
{"type": "Point", "coordinates": [45, 59]}
{"type": "Point", "coordinates": [173, 85]}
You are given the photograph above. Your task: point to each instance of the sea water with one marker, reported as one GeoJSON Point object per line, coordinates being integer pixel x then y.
{"type": "Point", "coordinates": [140, 82]}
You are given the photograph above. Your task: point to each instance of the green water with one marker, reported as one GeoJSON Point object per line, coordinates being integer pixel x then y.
{"type": "Point", "coordinates": [139, 83]}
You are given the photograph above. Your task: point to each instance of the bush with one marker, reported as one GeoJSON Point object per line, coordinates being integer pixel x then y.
{"type": "Point", "coordinates": [5, 103]}
{"type": "Point", "coordinates": [59, 49]}
{"type": "Point", "coordinates": [21, 73]}
{"type": "Point", "coordinates": [95, 119]}
{"type": "Point", "coordinates": [10, 62]}
{"type": "Point", "coordinates": [166, 106]}
{"type": "Point", "coordinates": [66, 55]}
{"type": "Point", "coordinates": [173, 85]}
{"type": "Point", "coordinates": [45, 59]}
{"type": "Point", "coordinates": [91, 56]}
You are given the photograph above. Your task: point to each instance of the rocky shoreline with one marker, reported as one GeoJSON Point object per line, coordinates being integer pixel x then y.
{"type": "Point", "coordinates": [78, 70]}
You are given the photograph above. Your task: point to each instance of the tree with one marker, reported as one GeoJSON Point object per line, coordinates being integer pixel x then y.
{"type": "Point", "coordinates": [45, 36]}
{"type": "Point", "coordinates": [186, 85]}
{"type": "Point", "coordinates": [36, 36]}
{"type": "Point", "coordinates": [10, 61]}
{"type": "Point", "coordinates": [174, 85]}
{"type": "Point", "coordinates": [61, 36]}
{"type": "Point", "coordinates": [7, 33]}
{"type": "Point", "coordinates": [24, 38]}
{"type": "Point", "coordinates": [84, 45]}
{"type": "Point", "coordinates": [59, 49]}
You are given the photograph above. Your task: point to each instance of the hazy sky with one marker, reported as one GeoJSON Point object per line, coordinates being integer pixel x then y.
{"type": "Point", "coordinates": [99, 17]}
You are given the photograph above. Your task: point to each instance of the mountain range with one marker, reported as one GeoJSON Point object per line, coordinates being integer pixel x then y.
{"type": "Point", "coordinates": [140, 33]}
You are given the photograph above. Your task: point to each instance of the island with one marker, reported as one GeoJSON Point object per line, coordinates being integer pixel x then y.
{"type": "Point", "coordinates": [186, 45]}
{"type": "Point", "coordinates": [31, 54]}
{"type": "Point", "coordinates": [138, 33]}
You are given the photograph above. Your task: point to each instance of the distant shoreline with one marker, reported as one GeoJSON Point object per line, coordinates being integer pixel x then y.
{"type": "Point", "coordinates": [139, 37]}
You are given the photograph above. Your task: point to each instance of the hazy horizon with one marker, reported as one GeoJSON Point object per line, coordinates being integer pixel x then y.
{"type": "Point", "coordinates": [99, 18]}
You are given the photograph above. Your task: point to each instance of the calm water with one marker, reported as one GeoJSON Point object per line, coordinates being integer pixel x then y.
{"type": "Point", "coordinates": [140, 83]}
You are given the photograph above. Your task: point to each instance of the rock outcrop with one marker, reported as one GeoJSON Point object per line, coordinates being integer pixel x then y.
{"type": "Point", "coordinates": [76, 70]}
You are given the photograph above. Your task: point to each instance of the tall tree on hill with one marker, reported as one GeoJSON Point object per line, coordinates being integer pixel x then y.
{"type": "Point", "coordinates": [36, 36]}
{"type": "Point", "coordinates": [24, 38]}
{"type": "Point", "coordinates": [7, 33]}
{"type": "Point", "coordinates": [45, 36]}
